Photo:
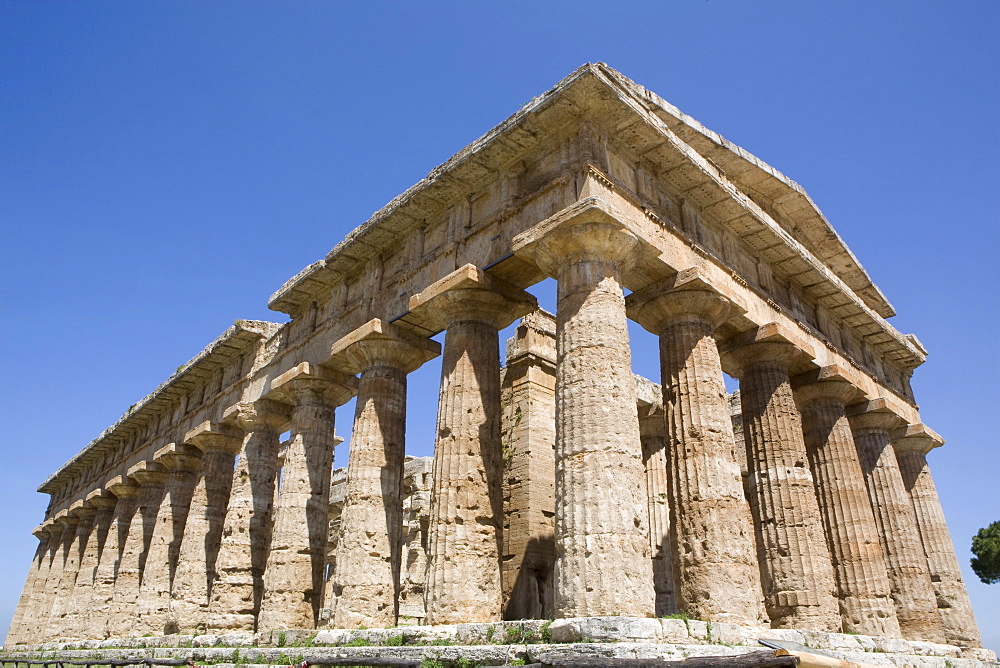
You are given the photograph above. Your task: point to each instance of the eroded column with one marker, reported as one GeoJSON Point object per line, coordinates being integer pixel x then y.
{"type": "Point", "coordinates": [83, 513]}
{"type": "Point", "coordinates": [64, 531]}
{"type": "Point", "coordinates": [78, 618]}
{"type": "Point", "coordinates": [23, 613]}
{"type": "Point", "coordinates": [463, 568]}
{"type": "Point", "coordinates": [796, 572]}
{"type": "Point", "coordinates": [911, 445]}
{"type": "Point", "coordinates": [652, 432]}
{"type": "Point", "coordinates": [603, 565]}
{"type": "Point", "coordinates": [150, 477]}
{"type": "Point", "coordinates": [366, 579]}
{"type": "Point", "coordinates": [909, 577]}
{"type": "Point", "coordinates": [246, 535]}
{"type": "Point", "coordinates": [293, 579]}
{"type": "Point", "coordinates": [126, 492]}
{"type": "Point", "coordinates": [181, 463]}
{"type": "Point", "coordinates": [859, 566]}
{"type": "Point", "coordinates": [711, 529]}
{"type": "Point", "coordinates": [196, 561]}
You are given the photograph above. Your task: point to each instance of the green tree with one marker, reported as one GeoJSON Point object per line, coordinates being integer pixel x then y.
{"type": "Point", "coordinates": [986, 547]}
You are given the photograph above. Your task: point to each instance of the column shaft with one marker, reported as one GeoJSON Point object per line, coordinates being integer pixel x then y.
{"type": "Point", "coordinates": [57, 627]}
{"type": "Point", "coordinates": [652, 430]}
{"type": "Point", "coordinates": [246, 536]}
{"type": "Point", "coordinates": [39, 603]}
{"type": "Point", "coordinates": [368, 553]}
{"type": "Point", "coordinates": [78, 618]}
{"type": "Point", "coordinates": [293, 579]}
{"type": "Point", "coordinates": [22, 612]}
{"type": "Point", "coordinates": [126, 509]}
{"type": "Point", "coordinates": [859, 566]}
{"type": "Point", "coordinates": [909, 577]}
{"type": "Point", "coordinates": [199, 548]}
{"type": "Point", "coordinates": [796, 572]}
{"type": "Point", "coordinates": [953, 603]}
{"type": "Point", "coordinates": [463, 571]}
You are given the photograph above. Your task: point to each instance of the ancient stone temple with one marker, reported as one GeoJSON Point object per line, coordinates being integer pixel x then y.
{"type": "Point", "coordinates": [561, 484]}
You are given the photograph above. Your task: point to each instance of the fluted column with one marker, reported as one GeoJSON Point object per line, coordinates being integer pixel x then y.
{"type": "Point", "coordinates": [78, 617]}
{"type": "Point", "coordinates": [652, 432]}
{"type": "Point", "coordinates": [23, 612]}
{"type": "Point", "coordinates": [246, 536]}
{"type": "Point", "coordinates": [153, 606]}
{"type": "Point", "coordinates": [366, 579]}
{"type": "Point", "coordinates": [909, 577]}
{"type": "Point", "coordinates": [711, 529]}
{"type": "Point", "coordinates": [465, 532]}
{"type": "Point", "coordinates": [196, 561]}
{"type": "Point", "coordinates": [859, 567]}
{"type": "Point", "coordinates": [126, 492]}
{"type": "Point", "coordinates": [293, 578]}
{"type": "Point", "coordinates": [912, 445]}
{"type": "Point", "coordinates": [39, 624]}
{"type": "Point", "coordinates": [150, 477]}
{"type": "Point", "coordinates": [83, 513]}
{"type": "Point", "coordinates": [796, 571]}
{"type": "Point", "coordinates": [603, 565]}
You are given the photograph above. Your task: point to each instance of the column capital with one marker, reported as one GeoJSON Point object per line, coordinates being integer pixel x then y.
{"type": "Point", "coordinates": [378, 342]}
{"type": "Point", "coordinates": [767, 344]}
{"type": "Point", "coordinates": [686, 295]}
{"type": "Point", "coordinates": [589, 230]}
{"type": "Point", "coordinates": [253, 415]}
{"type": "Point", "coordinates": [307, 381]}
{"type": "Point", "coordinates": [215, 436]}
{"type": "Point", "coordinates": [178, 457]}
{"type": "Point", "coordinates": [81, 509]}
{"type": "Point", "coordinates": [101, 498]}
{"type": "Point", "coordinates": [122, 487]}
{"type": "Point", "coordinates": [917, 438]}
{"type": "Point", "coordinates": [147, 473]}
{"type": "Point", "coordinates": [469, 293]}
{"type": "Point", "coordinates": [44, 530]}
{"type": "Point", "coordinates": [873, 415]}
{"type": "Point", "coordinates": [65, 520]}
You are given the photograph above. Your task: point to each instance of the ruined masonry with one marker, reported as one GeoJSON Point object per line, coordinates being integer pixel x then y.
{"type": "Point", "coordinates": [562, 486]}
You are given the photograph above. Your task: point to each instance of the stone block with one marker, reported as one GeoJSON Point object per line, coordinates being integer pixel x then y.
{"type": "Point", "coordinates": [674, 630]}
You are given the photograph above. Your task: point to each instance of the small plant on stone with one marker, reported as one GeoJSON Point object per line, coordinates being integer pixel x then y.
{"type": "Point", "coordinates": [441, 642]}
{"type": "Point", "coordinates": [463, 662]}
{"type": "Point", "coordinates": [358, 642]}
{"type": "Point", "coordinates": [546, 633]}
{"type": "Point", "coordinates": [234, 658]}
{"type": "Point", "coordinates": [394, 640]}
{"type": "Point", "coordinates": [432, 663]}
{"type": "Point", "coordinates": [281, 639]}
{"type": "Point", "coordinates": [514, 635]}
{"type": "Point", "coordinates": [489, 633]}
{"type": "Point", "coordinates": [518, 662]}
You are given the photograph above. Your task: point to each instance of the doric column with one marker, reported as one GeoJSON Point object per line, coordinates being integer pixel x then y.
{"type": "Point", "coordinates": [181, 463]}
{"type": "Point", "coordinates": [528, 428]}
{"type": "Point", "coordinates": [912, 444]}
{"type": "Point", "coordinates": [711, 529]}
{"type": "Point", "coordinates": [909, 576]}
{"type": "Point", "coordinates": [859, 567]}
{"type": "Point", "coordinates": [190, 594]}
{"type": "Point", "coordinates": [603, 564]}
{"type": "Point", "coordinates": [293, 578]}
{"type": "Point", "coordinates": [463, 569]}
{"type": "Point", "coordinates": [126, 492]}
{"type": "Point", "coordinates": [83, 514]}
{"type": "Point", "coordinates": [41, 616]}
{"type": "Point", "coordinates": [246, 536]}
{"type": "Point", "coordinates": [150, 477]}
{"type": "Point", "coordinates": [653, 434]}
{"type": "Point", "coordinates": [78, 618]}
{"type": "Point", "coordinates": [23, 612]}
{"type": "Point", "coordinates": [796, 572]}
{"type": "Point", "coordinates": [37, 613]}
{"type": "Point", "coordinates": [366, 580]}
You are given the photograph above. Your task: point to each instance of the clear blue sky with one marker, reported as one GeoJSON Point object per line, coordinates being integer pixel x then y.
{"type": "Point", "coordinates": [166, 166]}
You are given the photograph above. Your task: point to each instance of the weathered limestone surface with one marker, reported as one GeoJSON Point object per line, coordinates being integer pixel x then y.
{"type": "Point", "coordinates": [909, 577]}
{"type": "Point", "coordinates": [153, 604]}
{"type": "Point", "coordinates": [463, 569]}
{"type": "Point", "coordinates": [714, 562]}
{"type": "Point", "coordinates": [417, 475]}
{"type": "Point", "coordinates": [796, 572]}
{"type": "Point", "coordinates": [653, 434]}
{"type": "Point", "coordinates": [60, 571]}
{"type": "Point", "coordinates": [190, 594]}
{"type": "Point", "coordinates": [293, 579]}
{"type": "Point", "coordinates": [862, 583]}
{"type": "Point", "coordinates": [150, 477]}
{"type": "Point", "coordinates": [77, 619]}
{"type": "Point", "coordinates": [126, 509]}
{"type": "Point", "coordinates": [84, 514]}
{"type": "Point", "coordinates": [603, 563]}
{"type": "Point", "coordinates": [246, 536]}
{"type": "Point", "coordinates": [528, 423]}
{"type": "Point", "coordinates": [24, 611]}
{"type": "Point", "coordinates": [911, 445]}
{"type": "Point", "coordinates": [369, 548]}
